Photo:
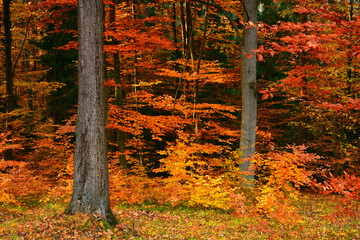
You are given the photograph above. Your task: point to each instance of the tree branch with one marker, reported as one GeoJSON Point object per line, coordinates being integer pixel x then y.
{"type": "Point", "coordinates": [221, 9]}
{"type": "Point", "coordinates": [247, 15]}
{"type": "Point", "coordinates": [204, 37]}
{"type": "Point", "coordinates": [22, 45]}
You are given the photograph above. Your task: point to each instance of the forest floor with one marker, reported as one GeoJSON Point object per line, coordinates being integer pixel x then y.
{"type": "Point", "coordinates": [47, 221]}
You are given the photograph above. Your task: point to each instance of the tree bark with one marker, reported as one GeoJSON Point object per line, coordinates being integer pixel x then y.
{"type": "Point", "coordinates": [91, 180]}
{"type": "Point", "coordinates": [249, 101]}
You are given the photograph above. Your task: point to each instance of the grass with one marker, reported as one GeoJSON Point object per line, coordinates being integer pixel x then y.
{"type": "Point", "coordinates": [47, 221]}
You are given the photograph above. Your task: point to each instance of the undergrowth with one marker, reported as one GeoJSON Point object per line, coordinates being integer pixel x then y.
{"type": "Point", "coordinates": [154, 221]}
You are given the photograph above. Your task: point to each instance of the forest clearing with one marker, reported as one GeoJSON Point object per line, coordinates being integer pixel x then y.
{"type": "Point", "coordinates": [180, 119]}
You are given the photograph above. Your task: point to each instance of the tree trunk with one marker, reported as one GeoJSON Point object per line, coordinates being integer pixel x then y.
{"type": "Point", "coordinates": [190, 32]}
{"type": "Point", "coordinates": [119, 93]}
{"type": "Point", "coordinates": [10, 103]}
{"type": "Point", "coordinates": [249, 102]}
{"type": "Point", "coordinates": [350, 73]}
{"type": "Point", "coordinates": [177, 52]}
{"type": "Point", "coordinates": [91, 180]}
{"type": "Point", "coordinates": [183, 28]}
{"type": "Point", "coordinates": [197, 87]}
{"type": "Point", "coordinates": [120, 135]}
{"type": "Point", "coordinates": [10, 97]}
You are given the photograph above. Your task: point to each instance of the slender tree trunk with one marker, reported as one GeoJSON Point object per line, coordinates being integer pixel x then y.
{"type": "Point", "coordinates": [9, 77]}
{"type": "Point", "coordinates": [190, 32]}
{"type": "Point", "coordinates": [249, 101]}
{"type": "Point", "coordinates": [183, 29]}
{"type": "Point", "coordinates": [135, 84]}
{"type": "Point", "coordinates": [10, 103]}
{"type": "Point", "coordinates": [91, 180]}
{"type": "Point", "coordinates": [187, 22]}
{"type": "Point", "coordinates": [301, 131]}
{"type": "Point", "coordinates": [177, 52]}
{"type": "Point", "coordinates": [119, 99]}
{"type": "Point", "coordinates": [203, 37]}
{"type": "Point", "coordinates": [350, 60]}
{"type": "Point", "coordinates": [120, 135]}
{"type": "Point", "coordinates": [197, 88]}
{"type": "Point", "coordinates": [30, 96]}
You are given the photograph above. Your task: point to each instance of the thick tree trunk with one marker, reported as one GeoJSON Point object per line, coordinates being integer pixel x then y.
{"type": "Point", "coordinates": [91, 181]}
{"type": "Point", "coordinates": [249, 102]}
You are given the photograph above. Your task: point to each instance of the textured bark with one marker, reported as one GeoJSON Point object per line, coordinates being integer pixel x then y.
{"type": "Point", "coordinates": [249, 102]}
{"type": "Point", "coordinates": [91, 181]}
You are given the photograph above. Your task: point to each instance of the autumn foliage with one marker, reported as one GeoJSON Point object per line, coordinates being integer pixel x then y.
{"type": "Point", "coordinates": [173, 128]}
